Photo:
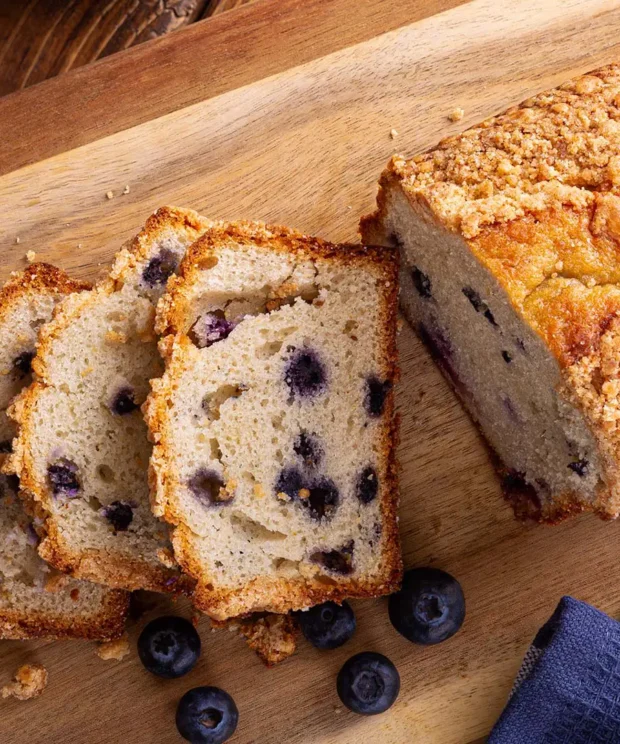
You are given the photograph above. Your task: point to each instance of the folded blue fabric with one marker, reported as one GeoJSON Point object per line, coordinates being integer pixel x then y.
{"type": "Point", "coordinates": [568, 688]}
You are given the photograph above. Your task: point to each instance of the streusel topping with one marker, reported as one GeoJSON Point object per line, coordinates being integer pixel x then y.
{"type": "Point", "coordinates": [552, 150]}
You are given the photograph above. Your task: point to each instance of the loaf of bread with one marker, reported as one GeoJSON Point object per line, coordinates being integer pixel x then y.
{"type": "Point", "coordinates": [274, 423]}
{"type": "Point", "coordinates": [36, 601]}
{"type": "Point", "coordinates": [509, 237]}
{"type": "Point", "coordinates": [82, 452]}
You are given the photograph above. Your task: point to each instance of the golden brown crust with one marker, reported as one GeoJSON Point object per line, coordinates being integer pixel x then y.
{"type": "Point", "coordinates": [266, 593]}
{"type": "Point", "coordinates": [105, 624]}
{"type": "Point", "coordinates": [119, 571]}
{"type": "Point", "coordinates": [535, 193]}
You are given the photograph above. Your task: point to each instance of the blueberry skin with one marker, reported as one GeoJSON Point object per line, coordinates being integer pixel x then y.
{"type": "Point", "coordinates": [328, 626]}
{"type": "Point", "coordinates": [169, 647]}
{"type": "Point", "coordinates": [207, 715]}
{"type": "Point", "coordinates": [368, 683]}
{"type": "Point", "coordinates": [429, 608]}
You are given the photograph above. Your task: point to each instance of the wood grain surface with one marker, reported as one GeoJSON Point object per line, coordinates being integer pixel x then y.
{"type": "Point", "coordinates": [40, 39]}
{"type": "Point", "coordinates": [304, 146]}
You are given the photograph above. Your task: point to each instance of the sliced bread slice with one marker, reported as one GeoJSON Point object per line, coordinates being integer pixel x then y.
{"type": "Point", "coordinates": [35, 601]}
{"type": "Point", "coordinates": [274, 423]}
{"type": "Point", "coordinates": [82, 452]}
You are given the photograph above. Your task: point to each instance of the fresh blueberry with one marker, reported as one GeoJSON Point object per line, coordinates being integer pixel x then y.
{"type": "Point", "coordinates": [210, 328]}
{"type": "Point", "coordinates": [63, 477]}
{"type": "Point", "coordinates": [336, 561]}
{"type": "Point", "coordinates": [368, 683]}
{"type": "Point", "coordinates": [581, 467]}
{"type": "Point", "coordinates": [208, 487]}
{"type": "Point", "coordinates": [207, 715]}
{"type": "Point", "coordinates": [376, 393]}
{"type": "Point", "coordinates": [429, 608]}
{"type": "Point", "coordinates": [119, 514]}
{"type": "Point", "coordinates": [124, 401]}
{"type": "Point", "coordinates": [169, 647]}
{"type": "Point", "coordinates": [160, 268]}
{"type": "Point", "coordinates": [22, 364]}
{"type": "Point", "coordinates": [479, 305]}
{"type": "Point", "coordinates": [308, 449]}
{"type": "Point", "coordinates": [322, 498]}
{"type": "Point", "coordinates": [6, 446]}
{"type": "Point", "coordinates": [327, 626]}
{"type": "Point", "coordinates": [305, 373]}
{"type": "Point", "coordinates": [422, 283]}
{"type": "Point", "coordinates": [367, 485]}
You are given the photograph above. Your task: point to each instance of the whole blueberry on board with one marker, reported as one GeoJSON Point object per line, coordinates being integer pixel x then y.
{"type": "Point", "coordinates": [368, 683]}
{"type": "Point", "coordinates": [169, 647]}
{"type": "Point", "coordinates": [429, 608]}
{"type": "Point", "coordinates": [328, 625]}
{"type": "Point", "coordinates": [207, 715]}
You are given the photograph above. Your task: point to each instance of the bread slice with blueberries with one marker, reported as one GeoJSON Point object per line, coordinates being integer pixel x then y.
{"type": "Point", "coordinates": [35, 600]}
{"type": "Point", "coordinates": [273, 425]}
{"type": "Point", "coordinates": [82, 451]}
{"type": "Point", "coordinates": [509, 237]}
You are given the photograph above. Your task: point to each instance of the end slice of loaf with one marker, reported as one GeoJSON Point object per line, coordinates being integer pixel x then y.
{"type": "Point", "coordinates": [36, 601]}
{"type": "Point", "coordinates": [274, 422]}
{"type": "Point", "coordinates": [82, 452]}
{"type": "Point", "coordinates": [509, 236]}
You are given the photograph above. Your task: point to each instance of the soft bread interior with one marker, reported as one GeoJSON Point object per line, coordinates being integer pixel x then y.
{"type": "Point", "coordinates": [501, 368]}
{"type": "Point", "coordinates": [235, 425]}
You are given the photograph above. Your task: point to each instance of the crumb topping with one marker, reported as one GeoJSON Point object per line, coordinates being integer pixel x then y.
{"type": "Point", "coordinates": [115, 650]}
{"type": "Point", "coordinates": [554, 149]}
{"type": "Point", "coordinates": [29, 681]}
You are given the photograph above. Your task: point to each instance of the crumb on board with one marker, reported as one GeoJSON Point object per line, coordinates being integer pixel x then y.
{"type": "Point", "coordinates": [116, 650]}
{"type": "Point", "coordinates": [393, 133]}
{"type": "Point", "coordinates": [109, 195]}
{"type": "Point", "coordinates": [126, 189]}
{"type": "Point", "coordinates": [457, 114]}
{"type": "Point", "coordinates": [29, 681]}
{"type": "Point", "coordinates": [17, 240]}
{"type": "Point", "coordinates": [31, 256]}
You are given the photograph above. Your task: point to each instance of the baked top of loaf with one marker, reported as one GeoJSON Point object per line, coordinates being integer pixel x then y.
{"type": "Point", "coordinates": [82, 452]}
{"type": "Point", "coordinates": [535, 193]}
{"type": "Point", "coordinates": [36, 601]}
{"type": "Point", "coordinates": [274, 423]}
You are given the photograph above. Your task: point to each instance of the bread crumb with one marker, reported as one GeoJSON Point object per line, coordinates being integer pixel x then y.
{"type": "Point", "coordinates": [195, 619]}
{"type": "Point", "coordinates": [126, 189]}
{"type": "Point", "coordinates": [79, 245]}
{"type": "Point", "coordinates": [29, 681]}
{"type": "Point", "coordinates": [116, 649]}
{"type": "Point", "coordinates": [109, 195]}
{"type": "Point", "coordinates": [166, 556]}
{"type": "Point", "coordinates": [393, 133]}
{"type": "Point", "coordinates": [31, 256]}
{"type": "Point", "coordinates": [457, 114]}
{"type": "Point", "coordinates": [17, 241]}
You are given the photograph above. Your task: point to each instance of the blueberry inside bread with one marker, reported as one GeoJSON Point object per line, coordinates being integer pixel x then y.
{"type": "Point", "coordinates": [274, 423]}
{"type": "Point", "coordinates": [510, 272]}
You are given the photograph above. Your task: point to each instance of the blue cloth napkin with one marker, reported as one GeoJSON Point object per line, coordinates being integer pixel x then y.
{"type": "Point", "coordinates": [568, 688]}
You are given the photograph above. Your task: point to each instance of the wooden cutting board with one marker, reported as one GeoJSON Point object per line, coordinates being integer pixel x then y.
{"type": "Point", "coordinates": [283, 112]}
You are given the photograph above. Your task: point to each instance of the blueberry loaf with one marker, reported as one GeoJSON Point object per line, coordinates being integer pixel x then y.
{"type": "Point", "coordinates": [509, 237]}
{"type": "Point", "coordinates": [274, 424]}
{"type": "Point", "coordinates": [82, 452]}
{"type": "Point", "coordinates": [36, 601]}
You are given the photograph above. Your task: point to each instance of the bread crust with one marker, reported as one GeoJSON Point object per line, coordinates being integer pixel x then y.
{"type": "Point", "coordinates": [266, 593]}
{"type": "Point", "coordinates": [117, 571]}
{"type": "Point", "coordinates": [106, 621]}
{"type": "Point", "coordinates": [535, 194]}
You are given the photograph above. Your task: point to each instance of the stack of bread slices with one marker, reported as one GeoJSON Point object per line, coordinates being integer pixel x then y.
{"type": "Point", "coordinates": [215, 418]}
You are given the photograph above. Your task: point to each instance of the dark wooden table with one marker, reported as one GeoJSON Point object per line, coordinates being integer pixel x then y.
{"type": "Point", "coordinates": [40, 39]}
